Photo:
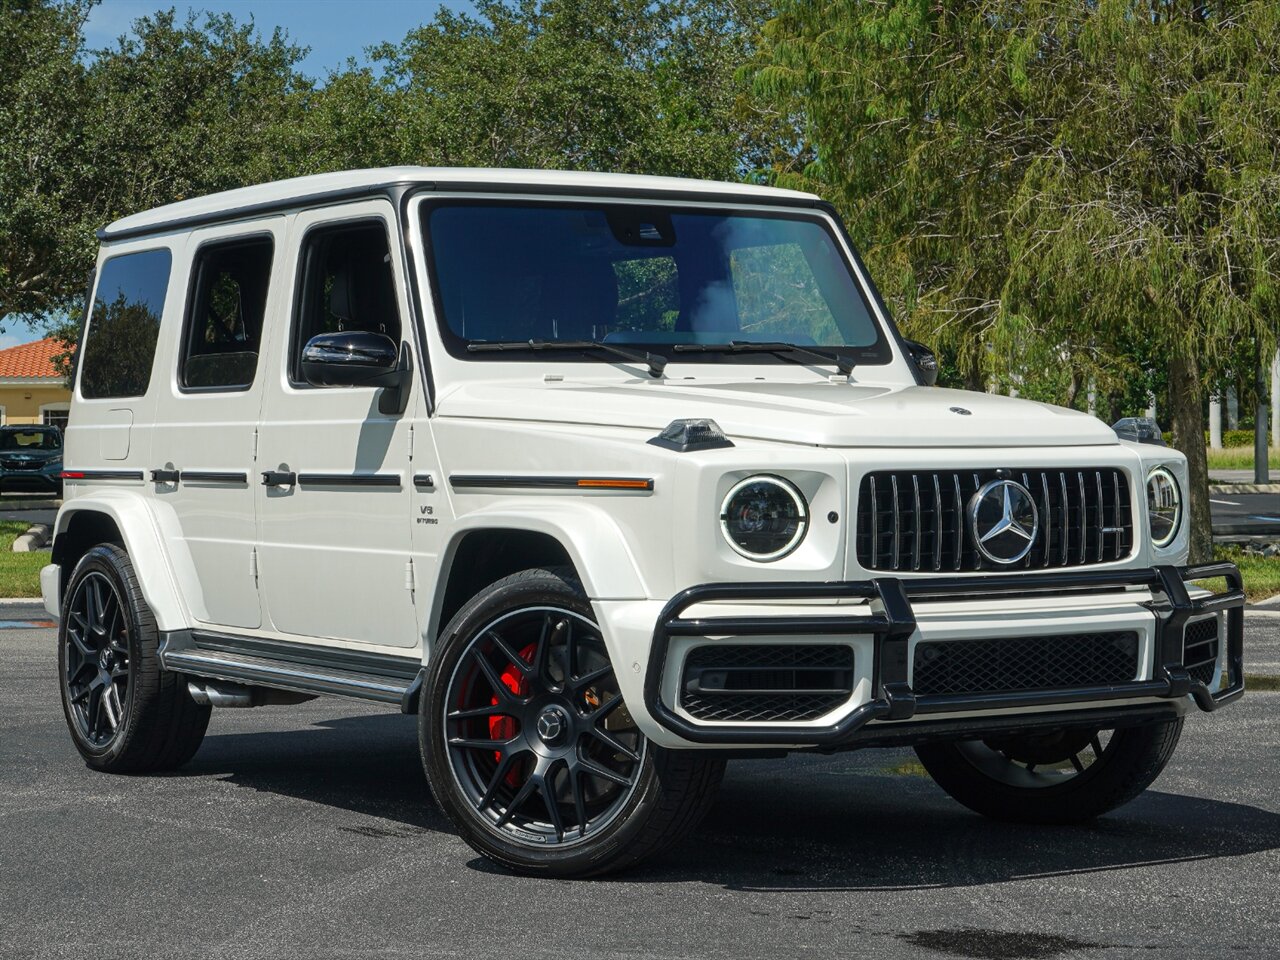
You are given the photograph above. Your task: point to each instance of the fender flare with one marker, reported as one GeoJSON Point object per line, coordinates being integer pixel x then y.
{"type": "Point", "coordinates": [140, 530]}
{"type": "Point", "coordinates": [590, 536]}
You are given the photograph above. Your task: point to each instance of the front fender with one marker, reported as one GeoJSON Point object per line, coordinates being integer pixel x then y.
{"type": "Point", "coordinates": [591, 537]}
{"type": "Point", "coordinates": [140, 531]}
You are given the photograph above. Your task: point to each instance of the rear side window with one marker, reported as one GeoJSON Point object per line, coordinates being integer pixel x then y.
{"type": "Point", "coordinates": [347, 284]}
{"type": "Point", "coordinates": [120, 344]}
{"type": "Point", "coordinates": [224, 315]}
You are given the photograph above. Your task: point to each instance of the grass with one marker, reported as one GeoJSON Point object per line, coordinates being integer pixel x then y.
{"type": "Point", "coordinates": [1255, 682]}
{"type": "Point", "coordinates": [1261, 574]}
{"type": "Point", "coordinates": [19, 572]}
{"type": "Point", "coordinates": [1240, 458]}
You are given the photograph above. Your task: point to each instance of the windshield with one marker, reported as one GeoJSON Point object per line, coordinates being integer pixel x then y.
{"type": "Point", "coordinates": [30, 440]}
{"type": "Point", "coordinates": [650, 275]}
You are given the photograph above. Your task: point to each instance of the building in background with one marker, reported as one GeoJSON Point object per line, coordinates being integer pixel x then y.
{"type": "Point", "coordinates": [31, 389]}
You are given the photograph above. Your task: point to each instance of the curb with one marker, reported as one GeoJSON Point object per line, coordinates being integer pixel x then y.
{"type": "Point", "coordinates": [36, 536]}
{"type": "Point", "coordinates": [21, 601]}
{"type": "Point", "coordinates": [1229, 488]}
{"type": "Point", "coordinates": [50, 504]}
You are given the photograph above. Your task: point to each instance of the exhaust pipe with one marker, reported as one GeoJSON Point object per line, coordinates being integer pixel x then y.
{"type": "Point", "coordinates": [216, 694]}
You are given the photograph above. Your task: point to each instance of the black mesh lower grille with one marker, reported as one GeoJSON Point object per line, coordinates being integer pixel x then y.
{"type": "Point", "coordinates": [759, 683]}
{"type": "Point", "coordinates": [1025, 663]}
{"type": "Point", "coordinates": [1200, 652]}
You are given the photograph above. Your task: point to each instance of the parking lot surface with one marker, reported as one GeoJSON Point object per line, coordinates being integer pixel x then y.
{"type": "Point", "coordinates": [308, 832]}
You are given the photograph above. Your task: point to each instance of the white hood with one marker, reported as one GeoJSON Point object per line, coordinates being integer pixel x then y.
{"type": "Point", "coordinates": [834, 414]}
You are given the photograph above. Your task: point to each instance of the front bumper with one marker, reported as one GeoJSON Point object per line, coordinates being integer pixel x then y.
{"type": "Point", "coordinates": [890, 621]}
{"type": "Point", "coordinates": [30, 481]}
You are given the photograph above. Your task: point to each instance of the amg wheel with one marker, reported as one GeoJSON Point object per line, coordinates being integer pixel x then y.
{"type": "Point", "coordinates": [1066, 776]}
{"type": "Point", "coordinates": [125, 714]}
{"type": "Point", "coordinates": [529, 748]}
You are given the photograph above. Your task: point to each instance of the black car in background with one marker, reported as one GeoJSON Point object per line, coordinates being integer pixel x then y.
{"type": "Point", "coordinates": [31, 459]}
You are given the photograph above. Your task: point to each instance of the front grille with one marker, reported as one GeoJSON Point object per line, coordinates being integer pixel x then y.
{"type": "Point", "coordinates": [1059, 662]}
{"type": "Point", "coordinates": [754, 683]}
{"type": "Point", "coordinates": [909, 521]}
{"type": "Point", "coordinates": [1200, 651]}
{"type": "Point", "coordinates": [20, 464]}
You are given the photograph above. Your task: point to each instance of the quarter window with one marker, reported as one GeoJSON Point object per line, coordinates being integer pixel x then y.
{"type": "Point", "coordinates": [124, 324]}
{"type": "Point", "coordinates": [225, 315]}
{"type": "Point", "coordinates": [347, 284]}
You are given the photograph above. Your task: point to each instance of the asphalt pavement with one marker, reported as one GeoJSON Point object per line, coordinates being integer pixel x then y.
{"type": "Point", "coordinates": [1246, 514]}
{"type": "Point", "coordinates": [308, 832]}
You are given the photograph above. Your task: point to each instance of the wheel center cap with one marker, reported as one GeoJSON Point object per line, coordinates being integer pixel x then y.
{"type": "Point", "coordinates": [552, 724]}
{"type": "Point", "coordinates": [104, 659]}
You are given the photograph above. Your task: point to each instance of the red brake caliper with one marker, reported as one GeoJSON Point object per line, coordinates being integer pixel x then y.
{"type": "Point", "coordinates": [504, 728]}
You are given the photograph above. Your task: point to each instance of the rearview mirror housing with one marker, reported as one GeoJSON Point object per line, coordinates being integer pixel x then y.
{"type": "Point", "coordinates": [358, 358]}
{"type": "Point", "coordinates": [924, 360]}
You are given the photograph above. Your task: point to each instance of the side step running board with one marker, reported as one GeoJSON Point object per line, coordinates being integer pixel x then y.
{"type": "Point", "coordinates": [392, 679]}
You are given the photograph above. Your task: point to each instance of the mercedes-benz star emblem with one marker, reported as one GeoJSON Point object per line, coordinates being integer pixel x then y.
{"type": "Point", "coordinates": [550, 724]}
{"type": "Point", "coordinates": [1004, 521]}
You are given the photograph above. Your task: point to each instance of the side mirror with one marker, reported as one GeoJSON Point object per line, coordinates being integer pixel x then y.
{"type": "Point", "coordinates": [925, 360]}
{"type": "Point", "coordinates": [357, 358]}
{"type": "Point", "coordinates": [1139, 430]}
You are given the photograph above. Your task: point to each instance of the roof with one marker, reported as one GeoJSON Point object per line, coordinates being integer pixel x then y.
{"type": "Point", "coordinates": [322, 186]}
{"type": "Point", "coordinates": [29, 361]}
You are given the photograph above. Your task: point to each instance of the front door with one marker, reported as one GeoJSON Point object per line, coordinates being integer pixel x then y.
{"type": "Point", "coordinates": [335, 511]}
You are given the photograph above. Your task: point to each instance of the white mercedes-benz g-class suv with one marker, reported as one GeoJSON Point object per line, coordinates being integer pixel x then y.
{"type": "Point", "coordinates": [607, 479]}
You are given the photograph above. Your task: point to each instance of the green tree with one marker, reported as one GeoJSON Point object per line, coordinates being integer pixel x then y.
{"type": "Point", "coordinates": [1037, 180]}
{"type": "Point", "coordinates": [616, 85]}
{"type": "Point", "coordinates": [180, 109]}
{"type": "Point", "coordinates": [46, 205]}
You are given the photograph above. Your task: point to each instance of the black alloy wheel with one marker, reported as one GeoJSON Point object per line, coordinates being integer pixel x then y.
{"type": "Point", "coordinates": [528, 744]}
{"type": "Point", "coordinates": [125, 712]}
{"type": "Point", "coordinates": [97, 679]}
{"type": "Point", "coordinates": [539, 740]}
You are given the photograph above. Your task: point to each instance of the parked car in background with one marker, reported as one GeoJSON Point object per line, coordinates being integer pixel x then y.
{"type": "Point", "coordinates": [31, 459]}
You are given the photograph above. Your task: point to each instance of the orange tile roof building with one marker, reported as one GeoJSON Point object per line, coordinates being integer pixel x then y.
{"type": "Point", "coordinates": [31, 389]}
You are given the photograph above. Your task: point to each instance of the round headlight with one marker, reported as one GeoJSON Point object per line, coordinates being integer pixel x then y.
{"type": "Point", "coordinates": [1164, 506]}
{"type": "Point", "coordinates": [764, 518]}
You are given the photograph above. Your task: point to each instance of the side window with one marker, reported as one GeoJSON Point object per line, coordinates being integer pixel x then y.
{"type": "Point", "coordinates": [224, 315]}
{"type": "Point", "coordinates": [347, 284]}
{"type": "Point", "coordinates": [120, 343]}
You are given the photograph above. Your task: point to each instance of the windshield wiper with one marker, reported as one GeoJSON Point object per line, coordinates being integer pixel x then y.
{"type": "Point", "coordinates": [655, 362]}
{"type": "Point", "coordinates": [844, 364]}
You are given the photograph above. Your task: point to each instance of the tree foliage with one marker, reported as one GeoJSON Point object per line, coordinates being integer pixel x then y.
{"type": "Point", "coordinates": [1054, 184]}
{"type": "Point", "coordinates": [179, 108]}
{"type": "Point", "coordinates": [46, 221]}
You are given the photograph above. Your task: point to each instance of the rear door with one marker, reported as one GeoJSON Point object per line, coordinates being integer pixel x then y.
{"type": "Point", "coordinates": [203, 443]}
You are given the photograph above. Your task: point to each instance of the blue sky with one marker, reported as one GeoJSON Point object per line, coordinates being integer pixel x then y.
{"type": "Point", "coordinates": [333, 29]}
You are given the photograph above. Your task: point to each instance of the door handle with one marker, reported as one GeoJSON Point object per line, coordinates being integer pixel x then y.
{"type": "Point", "coordinates": [279, 478]}
{"type": "Point", "coordinates": [161, 475]}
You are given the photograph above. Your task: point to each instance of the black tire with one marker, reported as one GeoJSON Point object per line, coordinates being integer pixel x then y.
{"type": "Point", "coordinates": [159, 726]}
{"type": "Point", "coordinates": [995, 779]}
{"type": "Point", "coordinates": [668, 791]}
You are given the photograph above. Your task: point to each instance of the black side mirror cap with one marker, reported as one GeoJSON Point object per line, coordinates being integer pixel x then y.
{"type": "Point", "coordinates": [925, 360]}
{"type": "Point", "coordinates": [1139, 430]}
{"type": "Point", "coordinates": [359, 358]}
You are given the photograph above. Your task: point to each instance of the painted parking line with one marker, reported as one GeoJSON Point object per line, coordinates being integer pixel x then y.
{"type": "Point", "coordinates": [1225, 503]}
{"type": "Point", "coordinates": [1267, 519]}
{"type": "Point", "coordinates": [24, 624]}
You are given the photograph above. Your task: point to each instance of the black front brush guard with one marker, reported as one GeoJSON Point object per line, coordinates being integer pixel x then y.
{"type": "Point", "coordinates": [893, 623]}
